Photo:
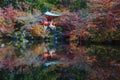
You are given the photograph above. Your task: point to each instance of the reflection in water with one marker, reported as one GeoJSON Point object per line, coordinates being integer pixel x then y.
{"type": "Point", "coordinates": [106, 64]}
{"type": "Point", "coordinates": [50, 61]}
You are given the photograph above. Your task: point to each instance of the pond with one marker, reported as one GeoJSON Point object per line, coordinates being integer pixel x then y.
{"type": "Point", "coordinates": [59, 61]}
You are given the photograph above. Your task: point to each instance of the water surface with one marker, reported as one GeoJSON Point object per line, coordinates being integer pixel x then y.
{"type": "Point", "coordinates": [58, 61]}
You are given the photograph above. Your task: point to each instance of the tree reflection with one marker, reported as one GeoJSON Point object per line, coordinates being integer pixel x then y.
{"type": "Point", "coordinates": [59, 61]}
{"type": "Point", "coordinates": [107, 65]}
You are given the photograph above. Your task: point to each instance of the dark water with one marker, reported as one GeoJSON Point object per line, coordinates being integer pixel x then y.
{"type": "Point", "coordinates": [50, 61]}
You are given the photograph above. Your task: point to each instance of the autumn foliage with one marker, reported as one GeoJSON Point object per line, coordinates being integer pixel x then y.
{"type": "Point", "coordinates": [69, 21]}
{"type": "Point", "coordinates": [109, 14]}
{"type": "Point", "coordinates": [8, 17]}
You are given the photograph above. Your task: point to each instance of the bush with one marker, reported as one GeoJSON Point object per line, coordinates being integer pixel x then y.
{"type": "Point", "coordinates": [104, 36]}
